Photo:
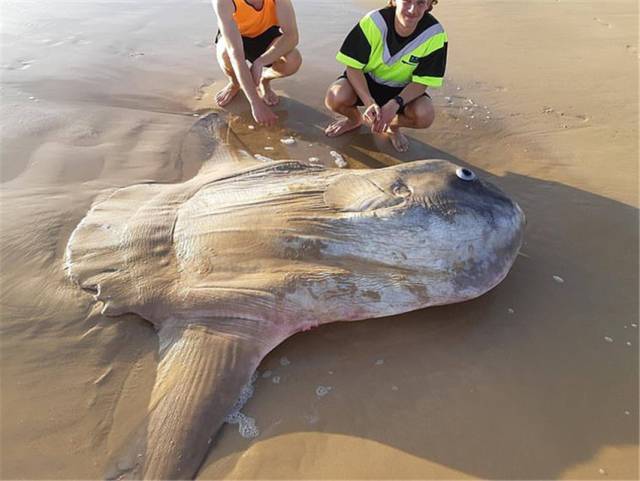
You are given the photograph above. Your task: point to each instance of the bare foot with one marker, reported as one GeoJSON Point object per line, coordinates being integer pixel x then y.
{"type": "Point", "coordinates": [399, 141]}
{"type": "Point", "coordinates": [342, 126]}
{"type": "Point", "coordinates": [269, 96]}
{"type": "Point", "coordinates": [227, 94]}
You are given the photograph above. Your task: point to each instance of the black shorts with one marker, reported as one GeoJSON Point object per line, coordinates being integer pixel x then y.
{"type": "Point", "coordinates": [256, 46]}
{"type": "Point", "coordinates": [380, 93]}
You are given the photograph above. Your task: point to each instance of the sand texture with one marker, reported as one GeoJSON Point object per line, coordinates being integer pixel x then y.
{"type": "Point", "coordinates": [538, 379]}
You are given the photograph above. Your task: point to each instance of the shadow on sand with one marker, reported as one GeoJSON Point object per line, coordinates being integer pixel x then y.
{"type": "Point", "coordinates": [519, 383]}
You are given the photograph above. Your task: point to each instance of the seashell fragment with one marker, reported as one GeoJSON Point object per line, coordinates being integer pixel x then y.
{"type": "Point", "coordinates": [338, 159]}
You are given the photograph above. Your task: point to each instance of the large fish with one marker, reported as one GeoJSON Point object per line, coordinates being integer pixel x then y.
{"type": "Point", "coordinates": [232, 262]}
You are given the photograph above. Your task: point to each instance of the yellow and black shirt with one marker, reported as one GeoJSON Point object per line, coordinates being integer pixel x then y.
{"type": "Point", "coordinates": [389, 59]}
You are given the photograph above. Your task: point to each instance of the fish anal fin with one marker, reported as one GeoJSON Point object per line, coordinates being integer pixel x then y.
{"type": "Point", "coordinates": [200, 376]}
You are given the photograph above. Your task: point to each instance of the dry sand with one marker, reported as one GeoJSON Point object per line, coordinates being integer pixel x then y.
{"type": "Point", "coordinates": [536, 380]}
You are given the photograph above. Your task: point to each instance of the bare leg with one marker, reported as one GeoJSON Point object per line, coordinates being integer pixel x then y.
{"type": "Point", "coordinates": [284, 67]}
{"type": "Point", "coordinates": [418, 114]}
{"type": "Point", "coordinates": [341, 98]}
{"type": "Point", "coordinates": [229, 91]}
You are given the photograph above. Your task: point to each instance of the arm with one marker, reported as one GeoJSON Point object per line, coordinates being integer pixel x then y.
{"type": "Point", "coordinates": [289, 38]}
{"type": "Point", "coordinates": [233, 43]}
{"type": "Point", "coordinates": [359, 83]}
{"type": "Point", "coordinates": [412, 92]}
{"type": "Point", "coordinates": [429, 73]}
{"type": "Point", "coordinates": [390, 109]}
{"type": "Point", "coordinates": [354, 54]}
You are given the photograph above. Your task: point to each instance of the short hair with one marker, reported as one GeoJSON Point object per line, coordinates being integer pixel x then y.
{"type": "Point", "coordinates": [391, 3]}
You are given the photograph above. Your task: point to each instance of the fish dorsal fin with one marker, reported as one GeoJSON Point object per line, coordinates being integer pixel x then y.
{"type": "Point", "coordinates": [211, 146]}
{"type": "Point", "coordinates": [201, 373]}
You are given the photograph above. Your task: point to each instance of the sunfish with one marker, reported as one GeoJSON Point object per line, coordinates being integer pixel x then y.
{"type": "Point", "coordinates": [233, 261]}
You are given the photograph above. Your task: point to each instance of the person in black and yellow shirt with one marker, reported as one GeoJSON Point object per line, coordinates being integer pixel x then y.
{"type": "Point", "coordinates": [392, 55]}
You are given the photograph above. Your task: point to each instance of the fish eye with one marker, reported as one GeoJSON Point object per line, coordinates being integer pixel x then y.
{"type": "Point", "coordinates": [465, 174]}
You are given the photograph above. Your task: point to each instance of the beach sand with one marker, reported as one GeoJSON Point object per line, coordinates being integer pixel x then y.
{"type": "Point", "coordinates": [538, 379]}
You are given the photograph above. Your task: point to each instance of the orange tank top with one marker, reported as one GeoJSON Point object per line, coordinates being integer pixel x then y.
{"type": "Point", "coordinates": [252, 22]}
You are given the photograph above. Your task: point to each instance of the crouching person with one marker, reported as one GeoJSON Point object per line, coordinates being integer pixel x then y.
{"type": "Point", "coordinates": [265, 34]}
{"type": "Point", "coordinates": [392, 55]}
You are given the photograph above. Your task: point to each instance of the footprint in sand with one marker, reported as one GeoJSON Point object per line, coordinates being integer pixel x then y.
{"type": "Point", "coordinates": [568, 120]}
{"type": "Point", "coordinates": [602, 22]}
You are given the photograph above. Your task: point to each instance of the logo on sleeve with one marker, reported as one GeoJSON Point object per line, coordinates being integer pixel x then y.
{"type": "Point", "coordinates": [413, 60]}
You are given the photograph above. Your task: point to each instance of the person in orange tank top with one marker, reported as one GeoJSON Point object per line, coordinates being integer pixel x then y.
{"type": "Point", "coordinates": [264, 33]}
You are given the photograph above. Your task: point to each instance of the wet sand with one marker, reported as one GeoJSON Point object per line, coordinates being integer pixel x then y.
{"type": "Point", "coordinates": [538, 379]}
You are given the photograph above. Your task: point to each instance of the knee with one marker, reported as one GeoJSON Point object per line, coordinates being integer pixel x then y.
{"type": "Point", "coordinates": [336, 97]}
{"type": "Point", "coordinates": [294, 60]}
{"type": "Point", "coordinates": [288, 64]}
{"type": "Point", "coordinates": [333, 98]}
{"type": "Point", "coordinates": [423, 116]}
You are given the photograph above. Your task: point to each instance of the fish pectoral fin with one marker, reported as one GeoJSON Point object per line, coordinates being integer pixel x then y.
{"type": "Point", "coordinates": [357, 193]}
{"type": "Point", "coordinates": [200, 376]}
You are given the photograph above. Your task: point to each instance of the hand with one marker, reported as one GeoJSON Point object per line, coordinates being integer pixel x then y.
{"type": "Point", "coordinates": [256, 71]}
{"type": "Point", "coordinates": [371, 114]}
{"type": "Point", "coordinates": [387, 113]}
{"type": "Point", "coordinates": [262, 114]}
